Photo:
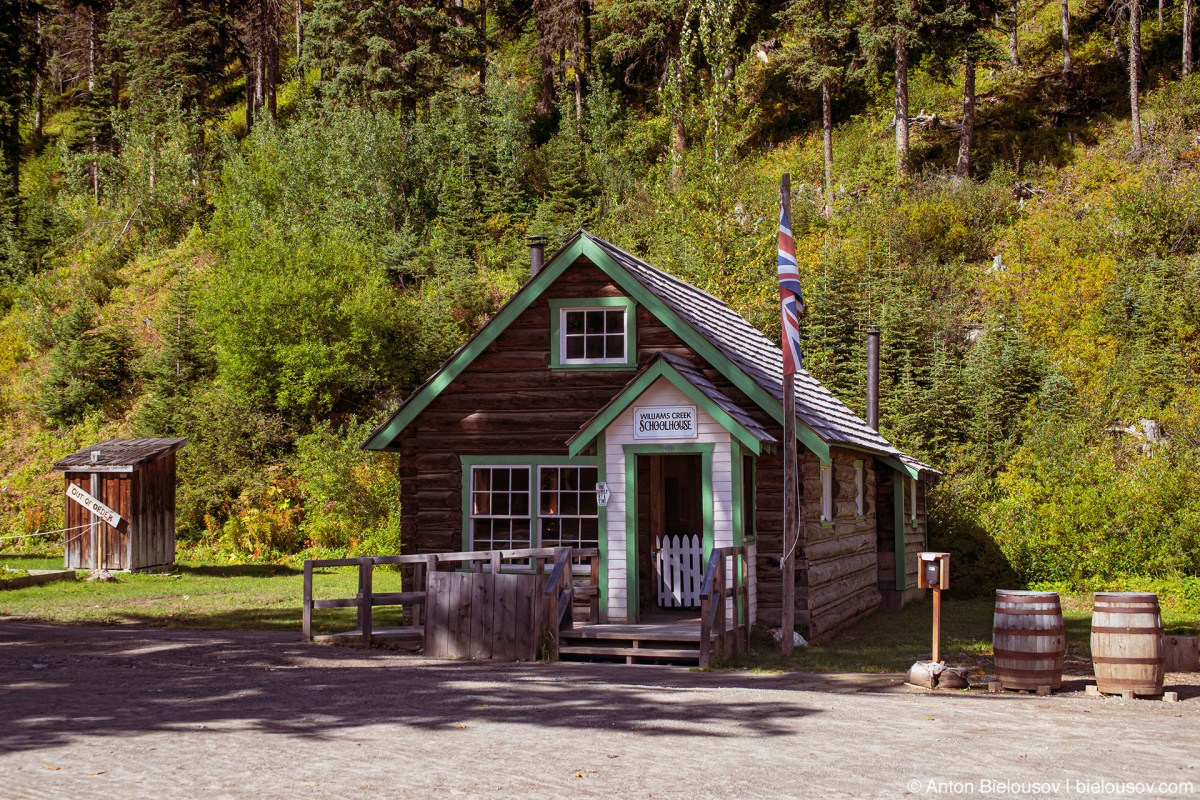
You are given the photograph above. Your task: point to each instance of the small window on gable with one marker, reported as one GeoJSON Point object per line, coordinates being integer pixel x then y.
{"type": "Point", "coordinates": [595, 333]}
{"type": "Point", "coordinates": [826, 493]}
{"type": "Point", "coordinates": [912, 494]}
{"type": "Point", "coordinates": [859, 489]}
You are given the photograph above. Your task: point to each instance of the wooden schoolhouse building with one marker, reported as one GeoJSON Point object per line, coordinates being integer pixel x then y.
{"type": "Point", "coordinates": [610, 405]}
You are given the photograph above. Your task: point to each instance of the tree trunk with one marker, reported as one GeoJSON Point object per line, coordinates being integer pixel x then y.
{"type": "Point", "coordinates": [1187, 37]}
{"type": "Point", "coordinates": [678, 132]}
{"type": "Point", "coordinates": [578, 96]}
{"type": "Point", "coordinates": [1014, 55]}
{"type": "Point", "coordinates": [249, 94]}
{"type": "Point", "coordinates": [903, 162]}
{"type": "Point", "coordinates": [483, 59]}
{"type": "Point", "coordinates": [272, 54]}
{"type": "Point", "coordinates": [1135, 60]}
{"type": "Point", "coordinates": [93, 47]}
{"type": "Point", "coordinates": [968, 121]}
{"type": "Point", "coordinates": [1160, 14]}
{"type": "Point", "coordinates": [827, 137]}
{"type": "Point", "coordinates": [547, 100]}
{"type": "Point", "coordinates": [299, 31]}
{"type": "Point", "coordinates": [1066, 39]}
{"type": "Point", "coordinates": [1119, 46]}
{"type": "Point", "coordinates": [38, 101]}
{"type": "Point", "coordinates": [260, 68]}
{"type": "Point", "coordinates": [587, 8]}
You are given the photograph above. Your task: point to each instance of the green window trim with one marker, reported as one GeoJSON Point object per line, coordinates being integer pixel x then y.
{"type": "Point", "coordinates": [557, 306]}
{"type": "Point", "coordinates": [533, 462]}
{"type": "Point", "coordinates": [633, 608]}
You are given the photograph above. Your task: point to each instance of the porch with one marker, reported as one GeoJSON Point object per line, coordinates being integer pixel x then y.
{"type": "Point", "coordinates": [537, 604]}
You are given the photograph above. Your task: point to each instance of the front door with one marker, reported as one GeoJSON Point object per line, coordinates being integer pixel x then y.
{"type": "Point", "coordinates": [670, 530]}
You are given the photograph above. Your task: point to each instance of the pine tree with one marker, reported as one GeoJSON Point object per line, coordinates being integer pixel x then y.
{"type": "Point", "coordinates": [179, 365]}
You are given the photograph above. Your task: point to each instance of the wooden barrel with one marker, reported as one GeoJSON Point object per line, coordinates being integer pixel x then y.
{"type": "Point", "coordinates": [1028, 639]}
{"type": "Point", "coordinates": [1127, 643]}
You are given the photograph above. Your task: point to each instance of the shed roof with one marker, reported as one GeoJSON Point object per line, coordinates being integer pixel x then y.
{"type": "Point", "coordinates": [119, 455]}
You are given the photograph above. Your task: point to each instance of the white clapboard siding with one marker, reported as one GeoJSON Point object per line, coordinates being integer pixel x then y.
{"type": "Point", "coordinates": [620, 433]}
{"type": "Point", "coordinates": [680, 567]}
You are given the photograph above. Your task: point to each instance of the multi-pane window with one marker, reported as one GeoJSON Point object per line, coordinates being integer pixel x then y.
{"type": "Point", "coordinates": [500, 508]}
{"type": "Point", "coordinates": [567, 512]}
{"type": "Point", "coordinates": [593, 335]}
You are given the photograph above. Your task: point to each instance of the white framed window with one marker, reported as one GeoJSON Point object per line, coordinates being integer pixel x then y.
{"type": "Point", "coordinates": [860, 500]}
{"type": "Point", "coordinates": [826, 493]}
{"type": "Point", "coordinates": [593, 335]}
{"type": "Point", "coordinates": [567, 511]}
{"type": "Point", "coordinates": [501, 514]}
{"type": "Point", "coordinates": [912, 502]}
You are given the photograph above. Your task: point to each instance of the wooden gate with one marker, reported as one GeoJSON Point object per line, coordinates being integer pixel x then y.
{"type": "Point", "coordinates": [481, 615]}
{"type": "Point", "coordinates": [680, 572]}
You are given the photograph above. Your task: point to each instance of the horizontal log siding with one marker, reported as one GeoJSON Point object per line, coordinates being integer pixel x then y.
{"type": "Point", "coordinates": [840, 556]}
{"type": "Point", "coordinates": [508, 401]}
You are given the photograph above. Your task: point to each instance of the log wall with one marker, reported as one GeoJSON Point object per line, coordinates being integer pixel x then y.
{"type": "Point", "coordinates": [508, 400]}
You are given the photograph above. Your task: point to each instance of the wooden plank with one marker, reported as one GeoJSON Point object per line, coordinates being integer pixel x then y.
{"type": "Point", "coordinates": [464, 608]}
{"type": "Point", "coordinates": [525, 633]}
{"type": "Point", "coordinates": [435, 615]}
{"type": "Point", "coordinates": [482, 610]}
{"type": "Point", "coordinates": [451, 624]}
{"type": "Point", "coordinates": [365, 610]}
{"type": "Point", "coordinates": [504, 647]}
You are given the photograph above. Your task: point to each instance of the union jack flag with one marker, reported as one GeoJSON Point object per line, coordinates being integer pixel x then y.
{"type": "Point", "coordinates": [791, 297]}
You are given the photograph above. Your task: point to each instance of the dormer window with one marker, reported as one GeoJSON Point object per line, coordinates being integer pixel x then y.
{"type": "Point", "coordinates": [593, 334]}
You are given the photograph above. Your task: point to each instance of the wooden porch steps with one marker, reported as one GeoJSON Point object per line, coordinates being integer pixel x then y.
{"type": "Point", "coordinates": [675, 643]}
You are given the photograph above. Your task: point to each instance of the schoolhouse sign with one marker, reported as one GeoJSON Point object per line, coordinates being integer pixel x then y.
{"type": "Point", "coordinates": [664, 422]}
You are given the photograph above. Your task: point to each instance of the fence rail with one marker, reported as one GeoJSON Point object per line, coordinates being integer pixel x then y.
{"type": "Point", "coordinates": [560, 583]}
{"type": "Point", "coordinates": [725, 604]}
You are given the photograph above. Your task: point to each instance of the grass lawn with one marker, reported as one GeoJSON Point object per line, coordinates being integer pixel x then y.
{"type": "Point", "coordinates": [267, 597]}
{"type": "Point", "coordinates": [231, 596]}
{"type": "Point", "coordinates": [893, 642]}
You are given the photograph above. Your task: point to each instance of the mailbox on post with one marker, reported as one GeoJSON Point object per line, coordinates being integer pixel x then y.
{"type": "Point", "coordinates": [934, 572]}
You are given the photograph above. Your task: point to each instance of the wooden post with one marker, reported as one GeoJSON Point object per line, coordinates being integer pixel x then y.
{"type": "Point", "coordinates": [365, 567]}
{"type": "Point", "coordinates": [594, 605]}
{"type": "Point", "coordinates": [306, 619]}
{"type": "Point", "coordinates": [99, 551]}
{"type": "Point", "coordinates": [937, 625]}
{"type": "Point", "coordinates": [790, 512]}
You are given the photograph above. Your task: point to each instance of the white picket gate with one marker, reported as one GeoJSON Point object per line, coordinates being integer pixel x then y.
{"type": "Point", "coordinates": [680, 567]}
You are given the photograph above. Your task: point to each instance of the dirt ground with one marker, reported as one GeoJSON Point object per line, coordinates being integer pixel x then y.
{"type": "Point", "coordinates": [92, 712]}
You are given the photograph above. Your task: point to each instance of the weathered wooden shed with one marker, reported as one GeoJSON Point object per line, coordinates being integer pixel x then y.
{"type": "Point", "coordinates": [610, 405]}
{"type": "Point", "coordinates": [129, 479]}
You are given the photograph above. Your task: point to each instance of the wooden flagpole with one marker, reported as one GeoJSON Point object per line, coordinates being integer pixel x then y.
{"type": "Point", "coordinates": [790, 515]}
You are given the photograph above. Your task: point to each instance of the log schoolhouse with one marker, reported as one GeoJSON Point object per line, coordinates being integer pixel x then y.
{"type": "Point", "coordinates": [610, 405]}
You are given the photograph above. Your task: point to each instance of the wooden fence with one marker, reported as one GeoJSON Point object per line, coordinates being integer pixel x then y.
{"type": "Point", "coordinates": [725, 604]}
{"type": "Point", "coordinates": [486, 612]}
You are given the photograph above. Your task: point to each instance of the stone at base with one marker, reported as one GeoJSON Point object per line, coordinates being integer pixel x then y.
{"type": "Point", "coordinates": [1171, 697]}
{"type": "Point", "coordinates": [1128, 695]}
{"type": "Point", "coordinates": [1043, 690]}
{"type": "Point", "coordinates": [995, 686]}
{"type": "Point", "coordinates": [1092, 689]}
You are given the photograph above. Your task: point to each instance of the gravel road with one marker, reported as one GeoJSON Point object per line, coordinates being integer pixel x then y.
{"type": "Point", "coordinates": [120, 712]}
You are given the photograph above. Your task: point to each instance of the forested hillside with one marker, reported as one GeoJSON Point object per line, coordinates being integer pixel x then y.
{"type": "Point", "coordinates": [260, 223]}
